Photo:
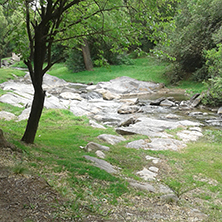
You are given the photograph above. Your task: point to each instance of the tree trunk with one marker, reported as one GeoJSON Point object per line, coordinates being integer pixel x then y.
{"type": "Point", "coordinates": [34, 117]}
{"type": "Point", "coordinates": [87, 56]}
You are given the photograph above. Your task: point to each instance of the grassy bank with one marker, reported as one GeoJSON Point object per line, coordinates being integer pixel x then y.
{"type": "Point", "coordinates": [194, 173]}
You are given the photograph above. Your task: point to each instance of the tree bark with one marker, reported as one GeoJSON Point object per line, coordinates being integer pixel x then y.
{"type": "Point", "coordinates": [87, 56]}
{"type": "Point", "coordinates": [34, 117]}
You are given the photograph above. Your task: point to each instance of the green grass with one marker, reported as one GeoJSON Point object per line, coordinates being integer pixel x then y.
{"type": "Point", "coordinates": [9, 73]}
{"type": "Point", "coordinates": [143, 69]}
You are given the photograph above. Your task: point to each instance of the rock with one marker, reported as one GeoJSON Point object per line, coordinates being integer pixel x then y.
{"type": "Point", "coordinates": [128, 109]}
{"type": "Point", "coordinates": [167, 103]}
{"type": "Point", "coordinates": [172, 116]}
{"type": "Point", "coordinates": [187, 135]}
{"type": "Point", "coordinates": [71, 95]}
{"type": "Point", "coordinates": [143, 186]}
{"type": "Point", "coordinates": [170, 198]}
{"type": "Point", "coordinates": [219, 112]}
{"type": "Point", "coordinates": [96, 125]}
{"type": "Point", "coordinates": [154, 169]}
{"type": "Point", "coordinates": [154, 127]}
{"type": "Point", "coordinates": [154, 159]}
{"type": "Point", "coordinates": [95, 146]}
{"type": "Point", "coordinates": [7, 115]}
{"type": "Point", "coordinates": [185, 105]}
{"type": "Point", "coordinates": [147, 174]}
{"type": "Point", "coordinates": [164, 189]}
{"type": "Point", "coordinates": [14, 100]}
{"type": "Point", "coordinates": [157, 101]}
{"type": "Point", "coordinates": [214, 122]}
{"type": "Point", "coordinates": [124, 84]}
{"type": "Point", "coordinates": [128, 122]}
{"type": "Point", "coordinates": [124, 132]}
{"type": "Point", "coordinates": [196, 99]}
{"type": "Point", "coordinates": [100, 154]}
{"type": "Point", "coordinates": [111, 139]}
{"type": "Point", "coordinates": [107, 95]}
{"type": "Point", "coordinates": [52, 102]}
{"type": "Point", "coordinates": [132, 101]}
{"type": "Point", "coordinates": [139, 144]}
{"type": "Point", "coordinates": [165, 144]}
{"type": "Point", "coordinates": [24, 115]}
{"type": "Point", "coordinates": [189, 123]}
{"type": "Point", "coordinates": [102, 164]}
{"type": "Point", "coordinates": [195, 114]}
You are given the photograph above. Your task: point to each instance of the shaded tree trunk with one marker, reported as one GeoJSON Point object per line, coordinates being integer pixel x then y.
{"type": "Point", "coordinates": [36, 75]}
{"type": "Point", "coordinates": [87, 56]}
{"type": "Point", "coordinates": [34, 117]}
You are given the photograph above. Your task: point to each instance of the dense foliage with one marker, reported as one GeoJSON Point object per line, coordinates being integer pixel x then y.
{"type": "Point", "coordinates": [196, 26]}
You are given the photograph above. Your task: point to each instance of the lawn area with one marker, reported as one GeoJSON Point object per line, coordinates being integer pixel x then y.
{"type": "Point", "coordinates": [144, 69]}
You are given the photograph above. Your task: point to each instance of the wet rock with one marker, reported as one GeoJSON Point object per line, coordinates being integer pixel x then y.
{"type": "Point", "coordinates": [71, 95]}
{"type": "Point", "coordinates": [157, 101]}
{"type": "Point", "coordinates": [196, 99]}
{"type": "Point", "coordinates": [214, 122]}
{"type": "Point", "coordinates": [172, 116]}
{"type": "Point", "coordinates": [107, 95]}
{"type": "Point", "coordinates": [102, 164]}
{"type": "Point", "coordinates": [185, 105]}
{"type": "Point", "coordinates": [147, 174]}
{"type": "Point", "coordinates": [128, 109]}
{"type": "Point", "coordinates": [7, 115]}
{"type": "Point", "coordinates": [128, 122]}
{"type": "Point", "coordinates": [219, 112]}
{"type": "Point", "coordinates": [195, 114]}
{"type": "Point", "coordinates": [167, 103]}
{"type": "Point", "coordinates": [132, 101]}
{"type": "Point", "coordinates": [95, 146]}
{"type": "Point", "coordinates": [111, 139]}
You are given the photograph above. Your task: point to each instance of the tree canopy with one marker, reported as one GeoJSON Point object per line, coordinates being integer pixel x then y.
{"type": "Point", "coordinates": [45, 22]}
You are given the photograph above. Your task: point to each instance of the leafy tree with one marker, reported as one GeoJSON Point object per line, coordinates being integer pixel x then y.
{"type": "Point", "coordinates": [50, 21]}
{"type": "Point", "coordinates": [3, 26]}
{"type": "Point", "coordinates": [195, 26]}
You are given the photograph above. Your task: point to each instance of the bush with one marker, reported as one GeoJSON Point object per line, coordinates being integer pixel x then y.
{"type": "Point", "coordinates": [213, 97]}
{"type": "Point", "coordinates": [195, 28]}
{"type": "Point", "coordinates": [75, 61]}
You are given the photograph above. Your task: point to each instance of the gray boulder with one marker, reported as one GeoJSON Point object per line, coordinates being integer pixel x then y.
{"type": "Point", "coordinates": [7, 115]}
{"type": "Point", "coordinates": [95, 146]}
{"type": "Point", "coordinates": [111, 139]}
{"type": "Point", "coordinates": [102, 164]}
{"type": "Point", "coordinates": [128, 109]}
{"type": "Point", "coordinates": [219, 112]}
